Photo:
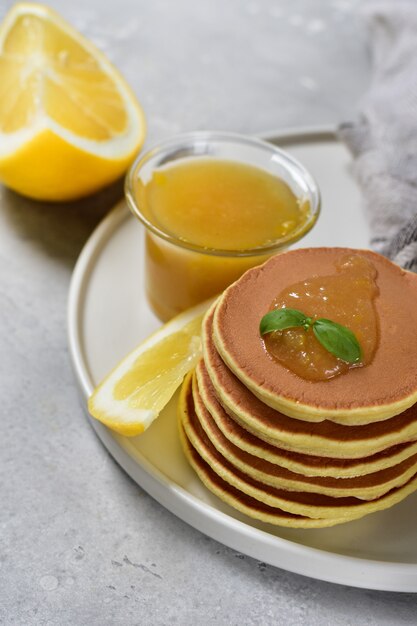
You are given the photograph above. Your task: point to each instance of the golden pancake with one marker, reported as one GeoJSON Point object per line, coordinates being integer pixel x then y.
{"type": "Point", "coordinates": [242, 502]}
{"type": "Point", "coordinates": [367, 487]}
{"type": "Point", "coordinates": [385, 387]}
{"type": "Point", "coordinates": [306, 464]}
{"type": "Point", "coordinates": [325, 438]}
{"type": "Point", "coordinates": [307, 504]}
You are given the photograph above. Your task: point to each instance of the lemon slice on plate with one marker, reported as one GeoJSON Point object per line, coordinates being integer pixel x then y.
{"type": "Point", "coordinates": [69, 123]}
{"type": "Point", "coordinates": [141, 385]}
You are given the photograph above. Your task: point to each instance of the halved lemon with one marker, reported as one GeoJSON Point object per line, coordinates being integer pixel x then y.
{"type": "Point", "coordinates": [69, 123]}
{"type": "Point", "coordinates": [141, 385]}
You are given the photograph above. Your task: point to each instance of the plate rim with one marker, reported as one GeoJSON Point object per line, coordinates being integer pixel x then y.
{"type": "Point", "coordinates": [295, 557]}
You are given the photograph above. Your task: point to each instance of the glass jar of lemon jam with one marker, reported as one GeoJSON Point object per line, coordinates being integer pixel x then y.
{"type": "Point", "coordinates": [213, 205]}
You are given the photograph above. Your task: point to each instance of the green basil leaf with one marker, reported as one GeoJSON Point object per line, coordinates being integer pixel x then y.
{"type": "Point", "coordinates": [279, 319]}
{"type": "Point", "coordinates": [338, 340]}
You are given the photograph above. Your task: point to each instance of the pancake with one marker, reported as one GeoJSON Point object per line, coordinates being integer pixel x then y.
{"type": "Point", "coordinates": [306, 464]}
{"type": "Point", "coordinates": [384, 388]}
{"type": "Point", "coordinates": [240, 501]}
{"type": "Point", "coordinates": [367, 487]}
{"type": "Point", "coordinates": [311, 505]}
{"type": "Point", "coordinates": [325, 438]}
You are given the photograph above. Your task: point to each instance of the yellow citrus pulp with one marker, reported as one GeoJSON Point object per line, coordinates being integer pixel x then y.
{"type": "Point", "coordinates": [141, 385]}
{"type": "Point", "coordinates": [69, 123]}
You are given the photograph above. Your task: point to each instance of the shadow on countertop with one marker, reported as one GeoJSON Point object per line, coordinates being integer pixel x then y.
{"type": "Point", "coordinates": [60, 229]}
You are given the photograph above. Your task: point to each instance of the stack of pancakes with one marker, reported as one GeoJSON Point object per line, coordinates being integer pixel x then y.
{"type": "Point", "coordinates": [290, 451]}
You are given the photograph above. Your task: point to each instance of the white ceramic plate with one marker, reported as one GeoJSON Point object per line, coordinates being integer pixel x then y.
{"type": "Point", "coordinates": [108, 316]}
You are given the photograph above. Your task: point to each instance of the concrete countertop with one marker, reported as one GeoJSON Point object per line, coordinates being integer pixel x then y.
{"type": "Point", "coordinates": [81, 544]}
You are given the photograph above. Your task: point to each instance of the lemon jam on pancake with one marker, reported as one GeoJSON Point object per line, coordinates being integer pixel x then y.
{"type": "Point", "coordinates": [384, 388]}
{"type": "Point", "coordinates": [346, 297]}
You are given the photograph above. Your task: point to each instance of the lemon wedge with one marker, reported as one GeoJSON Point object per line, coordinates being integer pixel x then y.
{"type": "Point", "coordinates": [135, 392]}
{"type": "Point", "coordinates": [69, 123]}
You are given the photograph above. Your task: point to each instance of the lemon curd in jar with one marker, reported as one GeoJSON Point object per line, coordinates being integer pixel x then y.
{"type": "Point", "coordinates": [346, 297]}
{"type": "Point", "coordinates": [222, 215]}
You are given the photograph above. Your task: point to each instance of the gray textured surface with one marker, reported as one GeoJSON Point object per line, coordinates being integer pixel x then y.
{"type": "Point", "coordinates": [80, 543]}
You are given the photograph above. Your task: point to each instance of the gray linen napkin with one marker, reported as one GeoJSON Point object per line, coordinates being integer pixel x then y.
{"type": "Point", "coordinates": [383, 138]}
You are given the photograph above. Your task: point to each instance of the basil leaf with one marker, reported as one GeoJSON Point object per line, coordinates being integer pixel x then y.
{"type": "Point", "coordinates": [338, 340]}
{"type": "Point", "coordinates": [279, 319]}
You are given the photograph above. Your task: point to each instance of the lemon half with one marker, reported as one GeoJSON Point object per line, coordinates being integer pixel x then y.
{"type": "Point", "coordinates": [69, 123]}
